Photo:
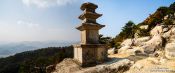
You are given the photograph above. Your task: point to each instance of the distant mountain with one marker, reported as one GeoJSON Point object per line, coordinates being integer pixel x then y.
{"type": "Point", "coordinates": [13, 48]}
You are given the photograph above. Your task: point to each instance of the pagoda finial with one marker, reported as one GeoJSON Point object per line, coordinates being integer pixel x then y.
{"type": "Point", "coordinates": [89, 15]}
{"type": "Point", "coordinates": [88, 5]}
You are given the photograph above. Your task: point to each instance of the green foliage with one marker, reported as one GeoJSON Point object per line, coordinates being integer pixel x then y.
{"type": "Point", "coordinates": [35, 61]}
{"type": "Point", "coordinates": [143, 32]}
{"type": "Point", "coordinates": [165, 11]}
{"type": "Point", "coordinates": [128, 31]}
{"type": "Point", "coordinates": [106, 40]}
{"type": "Point", "coordinates": [157, 18]}
{"type": "Point", "coordinates": [168, 22]}
{"type": "Point", "coordinates": [172, 6]}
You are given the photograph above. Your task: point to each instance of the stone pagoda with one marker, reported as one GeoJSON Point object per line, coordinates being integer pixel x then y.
{"type": "Point", "coordinates": [89, 52]}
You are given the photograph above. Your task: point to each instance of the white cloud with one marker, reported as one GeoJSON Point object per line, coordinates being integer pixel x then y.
{"type": "Point", "coordinates": [28, 24]}
{"type": "Point", "coordinates": [47, 3]}
{"type": "Point", "coordinates": [26, 30]}
{"type": "Point", "coordinates": [64, 2]}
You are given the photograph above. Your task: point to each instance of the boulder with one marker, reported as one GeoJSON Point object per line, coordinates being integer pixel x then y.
{"type": "Point", "coordinates": [163, 60]}
{"type": "Point", "coordinates": [116, 67]}
{"type": "Point", "coordinates": [127, 42]}
{"type": "Point", "coordinates": [172, 35]}
{"type": "Point", "coordinates": [153, 44]}
{"type": "Point", "coordinates": [144, 27]}
{"type": "Point", "coordinates": [166, 35]}
{"type": "Point", "coordinates": [169, 33]}
{"type": "Point", "coordinates": [165, 17]}
{"type": "Point", "coordinates": [124, 49]}
{"type": "Point", "coordinates": [68, 65]}
{"type": "Point", "coordinates": [112, 66]}
{"type": "Point", "coordinates": [165, 29]}
{"type": "Point", "coordinates": [156, 30]}
{"type": "Point", "coordinates": [170, 51]}
{"type": "Point", "coordinates": [141, 41]}
{"type": "Point", "coordinates": [111, 51]}
{"type": "Point", "coordinates": [130, 50]}
{"type": "Point", "coordinates": [149, 49]}
{"type": "Point", "coordinates": [135, 41]}
{"type": "Point", "coordinates": [158, 54]}
{"type": "Point", "coordinates": [153, 65]}
{"type": "Point", "coordinates": [173, 21]}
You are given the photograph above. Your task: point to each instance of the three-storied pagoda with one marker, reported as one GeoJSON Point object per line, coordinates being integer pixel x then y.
{"type": "Point", "coordinates": [90, 51]}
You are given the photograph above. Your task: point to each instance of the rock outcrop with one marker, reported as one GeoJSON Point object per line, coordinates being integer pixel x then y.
{"type": "Point", "coordinates": [153, 65]}
{"type": "Point", "coordinates": [170, 51]}
{"type": "Point", "coordinates": [153, 44]}
{"type": "Point", "coordinates": [113, 66]}
{"type": "Point", "coordinates": [111, 51]}
{"type": "Point", "coordinates": [170, 46]}
{"type": "Point", "coordinates": [156, 30]}
{"type": "Point", "coordinates": [162, 37]}
{"type": "Point", "coordinates": [68, 65]}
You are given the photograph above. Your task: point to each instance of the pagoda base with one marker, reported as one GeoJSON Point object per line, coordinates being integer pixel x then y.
{"type": "Point", "coordinates": [90, 54]}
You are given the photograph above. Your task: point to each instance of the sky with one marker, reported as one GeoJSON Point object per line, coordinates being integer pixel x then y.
{"type": "Point", "coordinates": [46, 20]}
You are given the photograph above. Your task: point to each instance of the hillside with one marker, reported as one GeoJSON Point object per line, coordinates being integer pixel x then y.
{"type": "Point", "coordinates": [11, 48]}
{"type": "Point", "coordinates": [36, 61]}
{"type": "Point", "coordinates": [152, 45]}
{"type": "Point", "coordinates": [163, 16]}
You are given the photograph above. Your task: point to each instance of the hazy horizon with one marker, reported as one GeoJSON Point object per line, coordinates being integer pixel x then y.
{"type": "Point", "coordinates": [45, 20]}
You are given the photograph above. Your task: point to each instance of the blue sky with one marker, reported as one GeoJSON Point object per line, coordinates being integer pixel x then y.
{"type": "Point", "coordinates": [44, 20]}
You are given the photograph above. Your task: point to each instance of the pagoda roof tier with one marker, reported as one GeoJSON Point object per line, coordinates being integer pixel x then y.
{"type": "Point", "coordinates": [88, 5]}
{"type": "Point", "coordinates": [90, 15]}
{"type": "Point", "coordinates": [90, 26]}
